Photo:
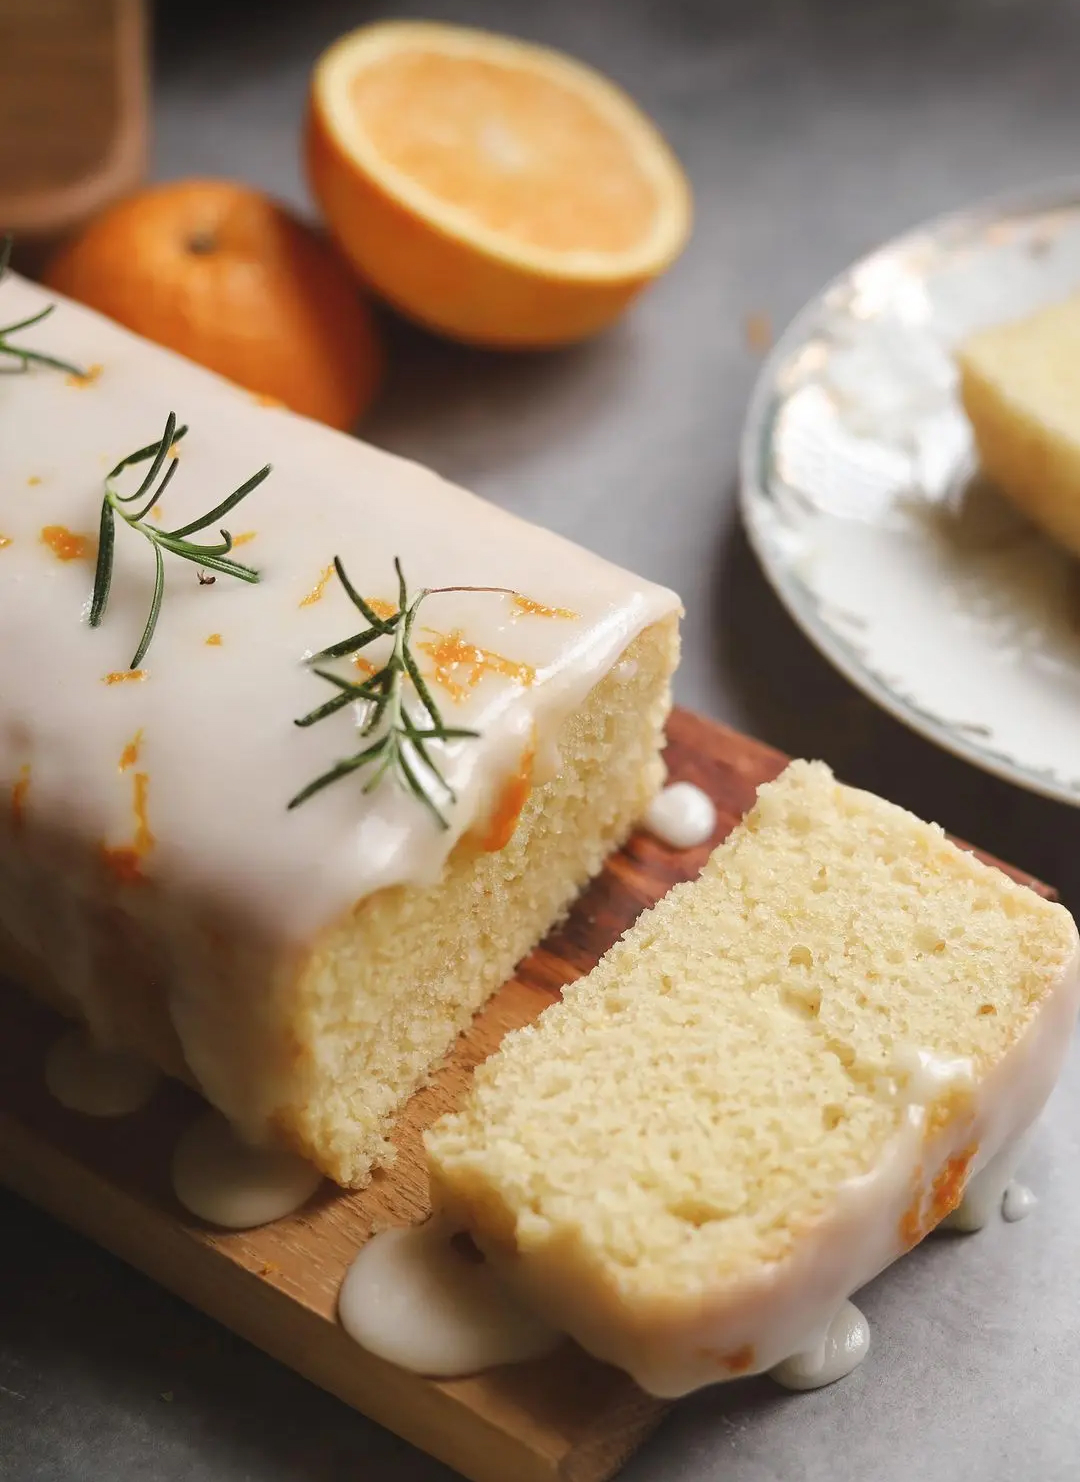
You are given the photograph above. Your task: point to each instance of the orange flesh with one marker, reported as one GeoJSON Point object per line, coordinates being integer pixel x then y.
{"type": "Point", "coordinates": [64, 544]}
{"type": "Point", "coordinates": [514, 796]}
{"type": "Point", "coordinates": [521, 153]}
{"type": "Point", "coordinates": [380, 607]}
{"type": "Point", "coordinates": [19, 789]}
{"type": "Point", "coordinates": [124, 676]}
{"type": "Point", "coordinates": [525, 606]}
{"type": "Point", "coordinates": [318, 589]}
{"type": "Point", "coordinates": [451, 652]}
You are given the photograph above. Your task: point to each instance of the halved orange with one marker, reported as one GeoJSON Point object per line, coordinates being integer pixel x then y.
{"type": "Point", "coordinates": [498, 192]}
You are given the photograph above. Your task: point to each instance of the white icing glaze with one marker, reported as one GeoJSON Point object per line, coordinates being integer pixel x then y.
{"type": "Point", "coordinates": [1018, 1202]}
{"type": "Point", "coordinates": [681, 815]}
{"type": "Point", "coordinates": [673, 1346]}
{"type": "Point", "coordinates": [217, 744]}
{"type": "Point", "coordinates": [412, 1298]}
{"type": "Point", "coordinates": [230, 1183]}
{"type": "Point", "coordinates": [842, 1348]}
{"type": "Point", "coordinates": [985, 1191]}
{"type": "Point", "coordinates": [100, 1083]}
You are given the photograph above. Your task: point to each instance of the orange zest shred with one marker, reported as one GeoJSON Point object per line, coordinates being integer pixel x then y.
{"type": "Point", "coordinates": [758, 332]}
{"type": "Point", "coordinates": [740, 1360]}
{"type": "Point", "coordinates": [124, 862]}
{"type": "Point", "coordinates": [64, 543]}
{"type": "Point", "coordinates": [514, 796]}
{"type": "Point", "coordinates": [381, 608]}
{"type": "Point", "coordinates": [19, 789]}
{"type": "Point", "coordinates": [365, 666]}
{"type": "Point", "coordinates": [318, 589]}
{"type": "Point", "coordinates": [35, 478]}
{"type": "Point", "coordinates": [244, 537]}
{"type": "Point", "coordinates": [214, 640]}
{"type": "Point", "coordinates": [124, 676]}
{"type": "Point", "coordinates": [925, 1214]}
{"type": "Point", "coordinates": [452, 652]}
{"type": "Point", "coordinates": [526, 607]}
{"type": "Point", "coordinates": [262, 399]}
{"type": "Point", "coordinates": [5, 540]}
{"type": "Point", "coordinates": [130, 754]}
{"type": "Point", "coordinates": [87, 378]}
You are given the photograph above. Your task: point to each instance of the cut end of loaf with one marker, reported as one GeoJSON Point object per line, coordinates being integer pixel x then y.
{"type": "Point", "coordinates": [693, 1106]}
{"type": "Point", "coordinates": [385, 996]}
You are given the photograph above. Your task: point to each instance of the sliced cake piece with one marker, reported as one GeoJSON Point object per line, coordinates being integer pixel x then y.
{"type": "Point", "coordinates": [1020, 386]}
{"type": "Point", "coordinates": [305, 966]}
{"type": "Point", "coordinates": [775, 1083]}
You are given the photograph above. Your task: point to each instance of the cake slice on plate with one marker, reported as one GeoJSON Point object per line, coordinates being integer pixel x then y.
{"type": "Point", "coordinates": [305, 966]}
{"type": "Point", "coordinates": [1020, 387]}
{"type": "Point", "coordinates": [778, 1080]}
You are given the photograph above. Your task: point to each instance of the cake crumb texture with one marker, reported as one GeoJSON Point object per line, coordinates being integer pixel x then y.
{"type": "Point", "coordinates": [1020, 387]}
{"type": "Point", "coordinates": [693, 1105]}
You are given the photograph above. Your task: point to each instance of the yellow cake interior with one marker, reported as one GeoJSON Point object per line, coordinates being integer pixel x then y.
{"type": "Point", "coordinates": [692, 1106]}
{"type": "Point", "coordinates": [1020, 387]}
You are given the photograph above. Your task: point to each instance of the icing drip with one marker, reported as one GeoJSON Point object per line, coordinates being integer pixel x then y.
{"type": "Point", "coordinates": [986, 1191]}
{"type": "Point", "coordinates": [844, 1346]}
{"type": "Point", "coordinates": [99, 1083]}
{"type": "Point", "coordinates": [682, 816]}
{"type": "Point", "coordinates": [230, 1183]}
{"type": "Point", "coordinates": [414, 1298]}
{"type": "Point", "coordinates": [1018, 1202]}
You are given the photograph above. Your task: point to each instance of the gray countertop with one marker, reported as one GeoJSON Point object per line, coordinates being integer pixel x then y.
{"type": "Point", "coordinates": [811, 131]}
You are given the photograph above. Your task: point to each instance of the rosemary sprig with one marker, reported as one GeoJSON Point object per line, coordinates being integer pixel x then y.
{"type": "Point", "coordinates": [174, 542]}
{"type": "Point", "coordinates": [396, 742]}
{"type": "Point", "coordinates": [25, 357]}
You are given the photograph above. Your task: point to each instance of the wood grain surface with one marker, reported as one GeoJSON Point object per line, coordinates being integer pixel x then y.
{"type": "Point", "coordinates": [563, 1417]}
{"type": "Point", "coordinates": [73, 132]}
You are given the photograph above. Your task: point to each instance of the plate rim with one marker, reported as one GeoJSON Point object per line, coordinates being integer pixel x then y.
{"type": "Point", "coordinates": [756, 438]}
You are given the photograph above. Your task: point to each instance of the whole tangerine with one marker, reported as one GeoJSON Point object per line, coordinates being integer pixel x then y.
{"type": "Point", "coordinates": [220, 273]}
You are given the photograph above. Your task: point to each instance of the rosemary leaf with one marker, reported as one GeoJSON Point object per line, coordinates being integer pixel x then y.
{"type": "Point", "coordinates": [381, 625]}
{"type": "Point", "coordinates": [212, 558]}
{"type": "Point", "coordinates": [155, 607]}
{"type": "Point", "coordinates": [224, 507]}
{"type": "Point", "coordinates": [398, 742]}
{"type": "Point", "coordinates": [330, 708]}
{"type": "Point", "coordinates": [20, 353]}
{"type": "Point", "coordinates": [342, 769]}
{"type": "Point", "coordinates": [140, 456]}
{"type": "Point", "coordinates": [103, 569]}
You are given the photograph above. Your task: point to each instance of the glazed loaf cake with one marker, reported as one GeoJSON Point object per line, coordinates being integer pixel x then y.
{"type": "Point", "coordinates": [304, 968]}
{"type": "Point", "coordinates": [774, 1084]}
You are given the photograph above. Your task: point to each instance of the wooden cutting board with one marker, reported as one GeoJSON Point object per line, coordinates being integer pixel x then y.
{"type": "Point", "coordinates": [564, 1417]}
{"type": "Point", "coordinates": [73, 134]}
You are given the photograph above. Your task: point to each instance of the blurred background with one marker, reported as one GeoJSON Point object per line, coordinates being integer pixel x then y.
{"type": "Point", "coordinates": [810, 130]}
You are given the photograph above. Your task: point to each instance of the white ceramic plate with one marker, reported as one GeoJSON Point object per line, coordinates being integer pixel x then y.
{"type": "Point", "coordinates": [861, 496]}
